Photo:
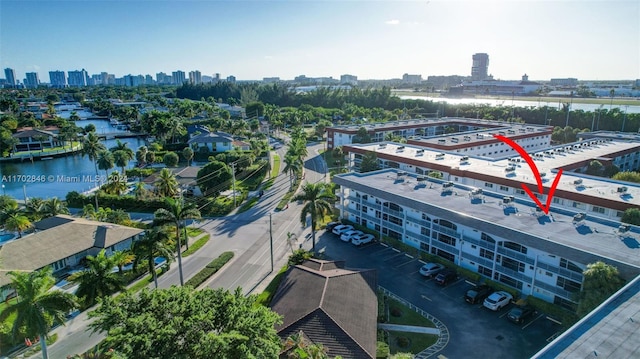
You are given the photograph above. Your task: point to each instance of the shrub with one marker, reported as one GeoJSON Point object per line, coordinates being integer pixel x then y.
{"type": "Point", "coordinates": [396, 312]}
{"type": "Point", "coordinates": [210, 269]}
{"type": "Point", "coordinates": [382, 350]}
{"type": "Point", "coordinates": [403, 342]}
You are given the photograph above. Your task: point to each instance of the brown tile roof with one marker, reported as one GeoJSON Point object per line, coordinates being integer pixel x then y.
{"type": "Point", "coordinates": [59, 239]}
{"type": "Point", "coordinates": [332, 305]}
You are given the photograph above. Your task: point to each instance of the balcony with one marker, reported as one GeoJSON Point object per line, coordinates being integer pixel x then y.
{"type": "Point", "coordinates": [445, 230]}
{"type": "Point", "coordinates": [478, 260]}
{"type": "Point", "coordinates": [393, 226]}
{"type": "Point", "coordinates": [446, 247]}
{"type": "Point", "coordinates": [392, 212]}
{"type": "Point", "coordinates": [513, 274]}
{"type": "Point", "coordinates": [479, 242]}
{"type": "Point", "coordinates": [370, 218]}
{"type": "Point", "coordinates": [421, 222]}
{"type": "Point", "coordinates": [556, 290]}
{"type": "Point", "coordinates": [561, 271]}
{"type": "Point", "coordinates": [516, 255]}
{"type": "Point", "coordinates": [417, 237]}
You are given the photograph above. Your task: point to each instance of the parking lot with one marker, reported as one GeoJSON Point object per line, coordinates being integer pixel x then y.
{"type": "Point", "coordinates": [475, 331]}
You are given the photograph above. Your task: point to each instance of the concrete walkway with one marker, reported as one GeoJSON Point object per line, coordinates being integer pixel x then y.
{"type": "Point", "coordinates": [408, 328]}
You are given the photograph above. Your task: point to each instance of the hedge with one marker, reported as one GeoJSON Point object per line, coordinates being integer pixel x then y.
{"type": "Point", "coordinates": [210, 269]}
{"type": "Point", "coordinates": [127, 202]}
{"type": "Point", "coordinates": [265, 297]}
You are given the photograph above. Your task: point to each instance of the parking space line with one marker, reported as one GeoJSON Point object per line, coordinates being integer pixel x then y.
{"type": "Point", "coordinates": [408, 255]}
{"type": "Point", "coordinates": [506, 311]}
{"type": "Point", "coordinates": [384, 244]}
{"type": "Point", "coordinates": [377, 250]}
{"type": "Point", "coordinates": [531, 322]}
{"type": "Point", "coordinates": [395, 250]}
{"type": "Point", "coordinates": [403, 264]}
{"type": "Point", "coordinates": [427, 298]}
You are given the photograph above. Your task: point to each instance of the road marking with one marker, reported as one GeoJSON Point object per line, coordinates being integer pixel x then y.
{"type": "Point", "coordinates": [427, 298]}
{"type": "Point", "coordinates": [405, 263]}
{"type": "Point", "coordinates": [505, 312]}
{"type": "Point", "coordinates": [395, 250]}
{"type": "Point", "coordinates": [554, 320]}
{"type": "Point", "coordinates": [408, 256]}
{"type": "Point", "coordinates": [384, 244]}
{"type": "Point", "coordinates": [531, 322]}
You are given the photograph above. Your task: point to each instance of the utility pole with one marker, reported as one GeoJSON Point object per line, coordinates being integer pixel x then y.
{"type": "Point", "coordinates": [233, 182]}
{"type": "Point", "coordinates": [271, 239]}
{"type": "Point", "coordinates": [599, 111]}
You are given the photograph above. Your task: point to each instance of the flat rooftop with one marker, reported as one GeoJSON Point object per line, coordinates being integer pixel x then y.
{"type": "Point", "coordinates": [473, 138]}
{"type": "Point", "coordinates": [609, 331]}
{"type": "Point", "coordinates": [386, 126]}
{"type": "Point", "coordinates": [596, 236]}
{"type": "Point", "coordinates": [547, 161]}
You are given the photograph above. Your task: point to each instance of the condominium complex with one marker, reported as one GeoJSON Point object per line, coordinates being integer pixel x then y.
{"type": "Point", "coordinates": [31, 80]}
{"type": "Point", "coordinates": [58, 79]}
{"type": "Point", "coordinates": [195, 77]}
{"type": "Point", "coordinates": [10, 76]}
{"type": "Point", "coordinates": [178, 77]}
{"type": "Point", "coordinates": [480, 66]}
{"type": "Point", "coordinates": [77, 78]}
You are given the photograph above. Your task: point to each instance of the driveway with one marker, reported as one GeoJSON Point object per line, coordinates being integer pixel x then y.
{"type": "Point", "coordinates": [475, 332]}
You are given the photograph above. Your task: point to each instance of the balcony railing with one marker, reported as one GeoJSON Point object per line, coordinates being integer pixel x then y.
{"type": "Point", "coordinates": [445, 230]}
{"type": "Point", "coordinates": [516, 255]}
{"type": "Point", "coordinates": [392, 212]}
{"type": "Point", "coordinates": [392, 226]}
{"type": "Point", "coordinates": [446, 247]}
{"type": "Point", "coordinates": [554, 289]}
{"type": "Point", "coordinates": [561, 271]}
{"type": "Point", "coordinates": [479, 242]}
{"type": "Point", "coordinates": [478, 260]}
{"type": "Point", "coordinates": [512, 273]}
{"type": "Point", "coordinates": [421, 222]}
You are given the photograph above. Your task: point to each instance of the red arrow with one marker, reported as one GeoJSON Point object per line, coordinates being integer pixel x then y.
{"type": "Point", "coordinates": [536, 173]}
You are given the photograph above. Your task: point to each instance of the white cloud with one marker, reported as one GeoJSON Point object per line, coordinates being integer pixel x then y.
{"type": "Point", "coordinates": [392, 22]}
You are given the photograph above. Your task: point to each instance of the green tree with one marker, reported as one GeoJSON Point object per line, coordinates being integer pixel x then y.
{"type": "Point", "coordinates": [176, 212]}
{"type": "Point", "coordinates": [254, 109]}
{"type": "Point", "coordinates": [115, 184]}
{"type": "Point", "coordinates": [369, 162]}
{"type": "Point", "coordinates": [150, 157]}
{"type": "Point", "coordinates": [105, 161]}
{"type": "Point", "coordinates": [121, 159]}
{"type": "Point", "coordinates": [91, 147]}
{"type": "Point", "coordinates": [187, 153]}
{"type": "Point", "coordinates": [141, 155]}
{"type": "Point", "coordinates": [17, 222]}
{"type": "Point", "coordinates": [53, 207]}
{"type": "Point", "coordinates": [152, 245]}
{"type": "Point", "coordinates": [318, 202]}
{"type": "Point", "coordinates": [293, 166]}
{"type": "Point", "coordinates": [362, 136]}
{"type": "Point", "coordinates": [7, 203]}
{"type": "Point", "coordinates": [121, 259]}
{"type": "Point", "coordinates": [631, 216]}
{"type": "Point", "coordinates": [299, 256]}
{"type": "Point", "coordinates": [213, 324]}
{"type": "Point", "coordinates": [600, 282]}
{"type": "Point", "coordinates": [38, 307]}
{"type": "Point", "coordinates": [214, 177]}
{"type": "Point", "coordinates": [595, 168]}
{"type": "Point", "coordinates": [170, 159]}
{"type": "Point", "coordinates": [166, 184]}
{"type": "Point", "coordinates": [98, 280]}
{"type": "Point", "coordinates": [628, 176]}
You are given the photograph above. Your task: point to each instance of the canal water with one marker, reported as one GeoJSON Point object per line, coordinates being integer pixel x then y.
{"type": "Point", "coordinates": [57, 176]}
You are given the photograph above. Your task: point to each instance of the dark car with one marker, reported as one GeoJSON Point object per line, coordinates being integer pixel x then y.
{"type": "Point", "coordinates": [332, 225]}
{"type": "Point", "coordinates": [446, 276]}
{"type": "Point", "coordinates": [477, 294]}
{"type": "Point", "coordinates": [521, 313]}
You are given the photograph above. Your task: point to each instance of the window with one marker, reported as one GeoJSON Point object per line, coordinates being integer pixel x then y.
{"type": "Point", "coordinates": [512, 264]}
{"type": "Point", "coordinates": [568, 285]}
{"type": "Point", "coordinates": [570, 266]}
{"type": "Point", "coordinates": [446, 255]}
{"type": "Point", "coordinates": [426, 218]}
{"type": "Point", "coordinates": [486, 254]}
{"type": "Point", "coordinates": [485, 271]}
{"type": "Point", "coordinates": [514, 246]}
{"type": "Point", "coordinates": [395, 235]}
{"type": "Point", "coordinates": [424, 247]}
{"type": "Point", "coordinates": [488, 185]}
{"type": "Point", "coordinates": [425, 231]}
{"type": "Point", "coordinates": [488, 238]}
{"type": "Point", "coordinates": [510, 281]}
{"type": "Point", "coordinates": [365, 209]}
{"type": "Point", "coordinates": [597, 209]}
{"type": "Point", "coordinates": [504, 188]}
{"type": "Point", "coordinates": [447, 224]}
{"type": "Point", "coordinates": [520, 192]}
{"type": "Point", "coordinates": [578, 205]}
{"type": "Point", "coordinates": [446, 239]}
{"type": "Point", "coordinates": [565, 303]}
{"type": "Point", "coordinates": [557, 200]}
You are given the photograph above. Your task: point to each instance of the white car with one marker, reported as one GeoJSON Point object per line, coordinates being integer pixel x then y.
{"type": "Point", "coordinates": [497, 300]}
{"type": "Point", "coordinates": [431, 269]}
{"type": "Point", "coordinates": [347, 236]}
{"type": "Point", "coordinates": [341, 229]}
{"type": "Point", "coordinates": [363, 239]}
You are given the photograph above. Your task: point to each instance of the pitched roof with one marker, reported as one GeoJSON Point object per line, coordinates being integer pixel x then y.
{"type": "Point", "coordinates": [33, 133]}
{"type": "Point", "coordinates": [62, 236]}
{"type": "Point", "coordinates": [210, 137]}
{"type": "Point", "coordinates": [332, 305]}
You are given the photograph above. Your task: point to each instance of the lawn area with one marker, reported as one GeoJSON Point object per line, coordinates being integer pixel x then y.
{"type": "Point", "coordinates": [403, 342]}
{"type": "Point", "coordinates": [75, 145]}
{"type": "Point", "coordinates": [276, 166]}
{"type": "Point", "coordinates": [407, 316]}
{"type": "Point", "coordinates": [598, 101]}
{"type": "Point", "coordinates": [194, 232]}
{"type": "Point", "coordinates": [265, 297]}
{"type": "Point", "coordinates": [196, 245]}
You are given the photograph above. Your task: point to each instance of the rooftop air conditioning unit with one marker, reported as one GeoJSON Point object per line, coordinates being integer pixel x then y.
{"type": "Point", "coordinates": [454, 139]}
{"type": "Point", "coordinates": [510, 169]}
{"type": "Point", "coordinates": [447, 185]}
{"type": "Point", "coordinates": [577, 182]}
{"type": "Point", "coordinates": [440, 155]}
{"type": "Point", "coordinates": [442, 141]}
{"type": "Point", "coordinates": [622, 189]}
{"type": "Point", "coordinates": [464, 159]}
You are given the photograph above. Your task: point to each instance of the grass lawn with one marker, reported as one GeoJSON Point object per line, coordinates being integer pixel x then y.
{"type": "Point", "coordinates": [265, 297]}
{"type": "Point", "coordinates": [408, 316]}
{"type": "Point", "coordinates": [276, 166]}
{"type": "Point", "coordinates": [48, 150]}
{"type": "Point", "coordinates": [196, 245]}
{"type": "Point", "coordinates": [417, 342]}
{"type": "Point", "coordinates": [248, 204]}
{"type": "Point", "coordinates": [194, 232]}
{"type": "Point", "coordinates": [404, 341]}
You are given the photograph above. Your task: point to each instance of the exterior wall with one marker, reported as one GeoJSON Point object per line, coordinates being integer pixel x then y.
{"type": "Point", "coordinates": [530, 270]}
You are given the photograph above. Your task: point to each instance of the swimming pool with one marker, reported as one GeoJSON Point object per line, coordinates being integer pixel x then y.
{"type": "Point", "coordinates": [6, 237]}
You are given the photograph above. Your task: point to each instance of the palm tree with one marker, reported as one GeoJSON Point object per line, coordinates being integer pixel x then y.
{"type": "Point", "coordinates": [98, 280]}
{"type": "Point", "coordinates": [152, 245]}
{"type": "Point", "coordinates": [33, 208]}
{"type": "Point", "coordinates": [91, 146]}
{"type": "Point", "coordinates": [140, 192]}
{"type": "Point", "coordinates": [17, 222]}
{"type": "Point", "coordinates": [116, 184]}
{"type": "Point", "coordinates": [293, 166]}
{"type": "Point", "coordinates": [105, 161]}
{"type": "Point", "coordinates": [141, 155]}
{"type": "Point", "coordinates": [187, 153]}
{"type": "Point", "coordinates": [122, 146]}
{"type": "Point", "coordinates": [318, 200]}
{"type": "Point", "coordinates": [37, 307]}
{"type": "Point", "coordinates": [121, 259]}
{"type": "Point", "coordinates": [121, 159]}
{"type": "Point", "coordinates": [175, 213]}
{"type": "Point", "coordinates": [53, 207]}
{"type": "Point", "coordinates": [166, 183]}
{"type": "Point", "coordinates": [88, 211]}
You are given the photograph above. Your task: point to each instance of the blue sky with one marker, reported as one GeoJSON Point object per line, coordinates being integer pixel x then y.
{"type": "Point", "coordinates": [589, 40]}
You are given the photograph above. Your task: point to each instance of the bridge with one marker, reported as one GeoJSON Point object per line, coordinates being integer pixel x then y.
{"type": "Point", "coordinates": [120, 134]}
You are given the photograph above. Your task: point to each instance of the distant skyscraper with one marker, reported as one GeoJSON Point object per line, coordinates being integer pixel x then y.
{"type": "Point", "coordinates": [10, 75]}
{"type": "Point", "coordinates": [179, 77]}
{"type": "Point", "coordinates": [58, 79]}
{"type": "Point", "coordinates": [349, 79]}
{"type": "Point", "coordinates": [77, 78]}
{"type": "Point", "coordinates": [270, 80]}
{"type": "Point", "coordinates": [480, 66]}
{"type": "Point", "coordinates": [195, 77]}
{"type": "Point", "coordinates": [231, 78]}
{"type": "Point", "coordinates": [148, 80]}
{"type": "Point", "coordinates": [32, 81]}
{"type": "Point", "coordinates": [411, 79]}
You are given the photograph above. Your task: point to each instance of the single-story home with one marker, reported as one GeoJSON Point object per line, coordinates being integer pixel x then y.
{"type": "Point", "coordinates": [186, 177]}
{"type": "Point", "coordinates": [330, 305]}
{"type": "Point", "coordinates": [214, 141]}
{"type": "Point", "coordinates": [62, 242]}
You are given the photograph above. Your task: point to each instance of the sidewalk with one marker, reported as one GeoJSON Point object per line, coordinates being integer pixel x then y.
{"type": "Point", "coordinates": [408, 328]}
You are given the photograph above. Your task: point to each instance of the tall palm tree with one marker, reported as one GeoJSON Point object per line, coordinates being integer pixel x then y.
{"type": "Point", "coordinates": [176, 212]}
{"type": "Point", "coordinates": [293, 166]}
{"type": "Point", "coordinates": [105, 161]}
{"type": "Point", "coordinates": [116, 184]}
{"type": "Point", "coordinates": [98, 280]}
{"type": "Point", "coordinates": [17, 222]}
{"type": "Point", "coordinates": [91, 146]}
{"type": "Point", "coordinates": [166, 183]}
{"type": "Point", "coordinates": [122, 146]}
{"type": "Point", "coordinates": [141, 155]}
{"type": "Point", "coordinates": [33, 208]}
{"type": "Point", "coordinates": [187, 153]}
{"type": "Point", "coordinates": [53, 207]}
{"type": "Point", "coordinates": [318, 200]}
{"type": "Point", "coordinates": [121, 259]}
{"type": "Point", "coordinates": [121, 159]}
{"type": "Point", "coordinates": [152, 245]}
{"type": "Point", "coordinates": [37, 307]}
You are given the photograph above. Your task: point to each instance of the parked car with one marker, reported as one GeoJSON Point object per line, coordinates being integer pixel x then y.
{"type": "Point", "coordinates": [431, 269]}
{"type": "Point", "coordinates": [497, 300]}
{"type": "Point", "coordinates": [446, 276]}
{"type": "Point", "coordinates": [349, 235]}
{"type": "Point", "coordinates": [341, 228]}
{"type": "Point", "coordinates": [331, 225]}
{"type": "Point", "coordinates": [478, 294]}
{"type": "Point", "coordinates": [520, 313]}
{"type": "Point", "coordinates": [363, 239]}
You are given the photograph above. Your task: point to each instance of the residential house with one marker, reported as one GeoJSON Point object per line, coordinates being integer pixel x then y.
{"type": "Point", "coordinates": [331, 305]}
{"type": "Point", "coordinates": [214, 141]}
{"type": "Point", "coordinates": [62, 242]}
{"type": "Point", "coordinates": [33, 139]}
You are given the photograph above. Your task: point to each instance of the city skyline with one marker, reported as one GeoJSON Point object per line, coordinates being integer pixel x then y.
{"type": "Point", "coordinates": [371, 40]}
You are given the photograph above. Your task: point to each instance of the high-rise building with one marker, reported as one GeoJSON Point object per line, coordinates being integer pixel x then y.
{"type": "Point", "coordinates": [480, 66]}
{"type": "Point", "coordinates": [411, 79]}
{"type": "Point", "coordinates": [58, 79]}
{"type": "Point", "coordinates": [270, 80]}
{"type": "Point", "coordinates": [78, 78]}
{"type": "Point", "coordinates": [31, 81]}
{"type": "Point", "coordinates": [349, 79]}
{"type": "Point", "coordinates": [148, 80]}
{"type": "Point", "coordinates": [10, 75]}
{"type": "Point", "coordinates": [231, 79]}
{"type": "Point", "coordinates": [179, 77]}
{"type": "Point", "coordinates": [195, 77]}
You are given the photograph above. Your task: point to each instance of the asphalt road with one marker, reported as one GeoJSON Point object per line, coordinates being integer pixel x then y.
{"type": "Point", "coordinates": [246, 234]}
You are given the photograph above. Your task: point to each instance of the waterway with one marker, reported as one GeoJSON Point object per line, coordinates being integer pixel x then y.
{"type": "Point", "coordinates": [58, 176]}
{"type": "Point", "coordinates": [519, 103]}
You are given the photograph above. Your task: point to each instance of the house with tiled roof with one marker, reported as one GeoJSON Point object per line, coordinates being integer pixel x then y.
{"type": "Point", "coordinates": [331, 305]}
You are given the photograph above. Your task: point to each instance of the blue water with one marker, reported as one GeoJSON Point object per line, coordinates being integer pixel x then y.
{"type": "Point", "coordinates": [6, 237]}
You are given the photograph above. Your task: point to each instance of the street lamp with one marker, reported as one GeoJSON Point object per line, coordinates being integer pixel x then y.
{"type": "Point", "coordinates": [599, 111]}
